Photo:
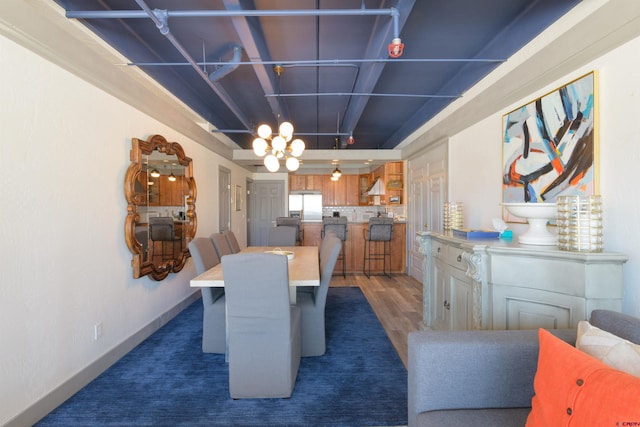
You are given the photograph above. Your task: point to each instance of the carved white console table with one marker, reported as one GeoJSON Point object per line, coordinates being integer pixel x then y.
{"type": "Point", "coordinates": [494, 284]}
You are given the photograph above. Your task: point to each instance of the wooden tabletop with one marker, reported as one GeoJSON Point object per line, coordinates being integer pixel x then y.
{"type": "Point", "coordinates": [304, 268]}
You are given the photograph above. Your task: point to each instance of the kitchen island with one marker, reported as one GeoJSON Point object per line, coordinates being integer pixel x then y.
{"type": "Point", "coordinates": [354, 246]}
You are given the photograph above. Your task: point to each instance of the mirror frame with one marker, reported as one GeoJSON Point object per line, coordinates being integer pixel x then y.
{"type": "Point", "coordinates": [139, 148]}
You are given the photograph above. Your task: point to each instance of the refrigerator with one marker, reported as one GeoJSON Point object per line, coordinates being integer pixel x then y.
{"type": "Point", "coordinates": [307, 206]}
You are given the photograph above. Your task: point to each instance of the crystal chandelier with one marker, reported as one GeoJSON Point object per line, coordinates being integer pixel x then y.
{"type": "Point", "coordinates": [275, 147]}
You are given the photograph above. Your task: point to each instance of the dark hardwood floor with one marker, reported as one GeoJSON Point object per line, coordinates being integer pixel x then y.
{"type": "Point", "coordinates": [397, 301]}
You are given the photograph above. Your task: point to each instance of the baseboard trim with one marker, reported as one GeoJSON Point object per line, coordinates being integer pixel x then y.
{"type": "Point", "coordinates": [57, 396]}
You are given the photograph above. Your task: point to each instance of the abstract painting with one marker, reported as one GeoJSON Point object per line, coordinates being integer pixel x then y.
{"type": "Point", "coordinates": [549, 145]}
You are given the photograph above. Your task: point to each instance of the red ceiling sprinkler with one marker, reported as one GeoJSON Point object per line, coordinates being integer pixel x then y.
{"type": "Point", "coordinates": [351, 140]}
{"type": "Point", "coordinates": [395, 48]}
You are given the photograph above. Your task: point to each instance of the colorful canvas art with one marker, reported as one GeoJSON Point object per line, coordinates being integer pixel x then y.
{"type": "Point", "coordinates": [549, 145]}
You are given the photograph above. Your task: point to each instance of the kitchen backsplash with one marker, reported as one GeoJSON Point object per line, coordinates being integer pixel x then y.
{"type": "Point", "coordinates": [362, 213]}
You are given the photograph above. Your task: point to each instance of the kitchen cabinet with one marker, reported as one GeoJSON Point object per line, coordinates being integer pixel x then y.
{"type": "Point", "coordinates": [364, 183]}
{"type": "Point", "coordinates": [305, 182]}
{"type": "Point", "coordinates": [392, 176]}
{"type": "Point", "coordinates": [352, 190]}
{"type": "Point", "coordinates": [343, 192]}
{"type": "Point", "coordinates": [163, 192]}
{"type": "Point", "coordinates": [495, 284]}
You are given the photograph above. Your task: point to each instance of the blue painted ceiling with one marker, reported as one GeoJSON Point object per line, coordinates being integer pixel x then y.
{"type": "Point", "coordinates": [332, 83]}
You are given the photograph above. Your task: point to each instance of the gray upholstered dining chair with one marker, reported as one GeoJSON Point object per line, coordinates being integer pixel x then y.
{"type": "Point", "coordinates": [291, 222]}
{"type": "Point", "coordinates": [263, 327]}
{"type": "Point", "coordinates": [232, 241]}
{"type": "Point", "coordinates": [283, 235]}
{"type": "Point", "coordinates": [221, 244]}
{"type": "Point", "coordinates": [313, 303]}
{"type": "Point", "coordinates": [213, 299]}
{"type": "Point", "coordinates": [339, 227]}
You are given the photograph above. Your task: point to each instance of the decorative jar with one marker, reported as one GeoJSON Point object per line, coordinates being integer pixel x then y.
{"type": "Point", "coordinates": [580, 223]}
{"type": "Point", "coordinates": [453, 216]}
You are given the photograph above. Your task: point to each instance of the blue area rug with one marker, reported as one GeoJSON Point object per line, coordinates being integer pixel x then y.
{"type": "Point", "coordinates": [168, 381]}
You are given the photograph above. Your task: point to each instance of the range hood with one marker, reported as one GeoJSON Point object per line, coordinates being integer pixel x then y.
{"type": "Point", "coordinates": [376, 189]}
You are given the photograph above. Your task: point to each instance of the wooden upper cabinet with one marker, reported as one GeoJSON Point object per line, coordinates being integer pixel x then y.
{"type": "Point", "coordinates": [352, 190]}
{"type": "Point", "coordinates": [305, 183]}
{"type": "Point", "coordinates": [328, 190]}
{"type": "Point", "coordinates": [172, 192]}
{"type": "Point", "coordinates": [364, 180]}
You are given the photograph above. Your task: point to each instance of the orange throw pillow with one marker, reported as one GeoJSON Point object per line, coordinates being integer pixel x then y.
{"type": "Point", "coordinates": [574, 389]}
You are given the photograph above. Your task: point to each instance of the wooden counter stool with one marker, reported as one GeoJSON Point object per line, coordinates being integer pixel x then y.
{"type": "Point", "coordinates": [338, 225]}
{"type": "Point", "coordinates": [380, 230]}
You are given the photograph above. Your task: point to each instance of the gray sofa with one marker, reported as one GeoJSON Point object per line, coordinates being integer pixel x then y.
{"type": "Point", "coordinates": [485, 378]}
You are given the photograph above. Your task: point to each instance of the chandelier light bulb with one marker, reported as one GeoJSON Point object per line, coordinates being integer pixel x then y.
{"type": "Point", "coordinates": [337, 173]}
{"type": "Point", "coordinates": [286, 130]}
{"type": "Point", "coordinates": [260, 147]}
{"type": "Point", "coordinates": [264, 131]}
{"type": "Point", "coordinates": [297, 147]}
{"type": "Point", "coordinates": [271, 163]}
{"type": "Point", "coordinates": [293, 164]}
{"type": "Point", "coordinates": [335, 178]}
{"type": "Point", "coordinates": [278, 143]}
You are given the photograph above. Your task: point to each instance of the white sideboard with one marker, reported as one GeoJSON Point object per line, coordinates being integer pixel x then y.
{"type": "Point", "coordinates": [496, 284]}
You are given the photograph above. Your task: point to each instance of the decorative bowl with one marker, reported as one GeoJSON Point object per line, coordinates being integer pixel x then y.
{"type": "Point", "coordinates": [537, 215]}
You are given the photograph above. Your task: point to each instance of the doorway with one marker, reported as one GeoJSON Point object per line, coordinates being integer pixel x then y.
{"type": "Point", "coordinates": [265, 203]}
{"type": "Point", "coordinates": [428, 187]}
{"type": "Point", "coordinates": [224, 199]}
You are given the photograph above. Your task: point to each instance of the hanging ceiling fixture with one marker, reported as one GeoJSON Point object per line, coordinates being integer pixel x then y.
{"type": "Point", "coordinates": [276, 147]}
{"type": "Point", "coordinates": [336, 174]}
{"type": "Point", "coordinates": [155, 173]}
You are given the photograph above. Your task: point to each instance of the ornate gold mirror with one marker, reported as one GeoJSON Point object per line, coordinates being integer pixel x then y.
{"type": "Point", "coordinates": [161, 216]}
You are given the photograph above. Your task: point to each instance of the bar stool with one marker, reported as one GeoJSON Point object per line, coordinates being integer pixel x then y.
{"type": "Point", "coordinates": [337, 225]}
{"type": "Point", "coordinates": [161, 229]}
{"type": "Point", "coordinates": [380, 230]}
{"type": "Point", "coordinates": [292, 222]}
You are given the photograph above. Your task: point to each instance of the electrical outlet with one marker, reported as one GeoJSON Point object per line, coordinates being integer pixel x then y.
{"type": "Point", "coordinates": [97, 331]}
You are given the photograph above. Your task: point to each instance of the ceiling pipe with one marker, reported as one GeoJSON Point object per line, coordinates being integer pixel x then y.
{"type": "Point", "coordinates": [229, 66]}
{"type": "Point", "coordinates": [160, 18]}
{"type": "Point", "coordinates": [322, 62]}
{"type": "Point", "coordinates": [133, 14]}
{"type": "Point", "coordinates": [407, 95]}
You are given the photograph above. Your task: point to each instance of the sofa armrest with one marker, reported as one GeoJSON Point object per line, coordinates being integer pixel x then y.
{"type": "Point", "coordinates": [472, 369]}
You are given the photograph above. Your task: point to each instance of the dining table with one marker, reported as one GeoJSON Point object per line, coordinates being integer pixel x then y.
{"type": "Point", "coordinates": [304, 268]}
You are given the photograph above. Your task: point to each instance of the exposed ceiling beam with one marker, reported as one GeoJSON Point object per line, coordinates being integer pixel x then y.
{"type": "Point", "coordinates": [370, 72]}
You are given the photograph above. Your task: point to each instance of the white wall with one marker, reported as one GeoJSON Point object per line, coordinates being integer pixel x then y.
{"type": "Point", "coordinates": [65, 264]}
{"type": "Point", "coordinates": [475, 159]}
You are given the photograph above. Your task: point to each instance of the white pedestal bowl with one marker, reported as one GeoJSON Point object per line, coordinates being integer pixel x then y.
{"type": "Point", "coordinates": [537, 215]}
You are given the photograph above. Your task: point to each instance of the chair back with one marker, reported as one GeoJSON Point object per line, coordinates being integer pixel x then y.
{"type": "Point", "coordinates": [161, 228]}
{"type": "Point", "coordinates": [283, 235]}
{"type": "Point", "coordinates": [380, 229]}
{"type": "Point", "coordinates": [292, 222]}
{"type": "Point", "coordinates": [232, 241]}
{"type": "Point", "coordinates": [327, 264]}
{"type": "Point", "coordinates": [257, 289]}
{"type": "Point", "coordinates": [221, 244]}
{"type": "Point", "coordinates": [337, 225]}
{"type": "Point", "coordinates": [203, 253]}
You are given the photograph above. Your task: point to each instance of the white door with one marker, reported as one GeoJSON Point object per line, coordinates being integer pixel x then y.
{"type": "Point", "coordinates": [428, 186]}
{"type": "Point", "coordinates": [416, 210]}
